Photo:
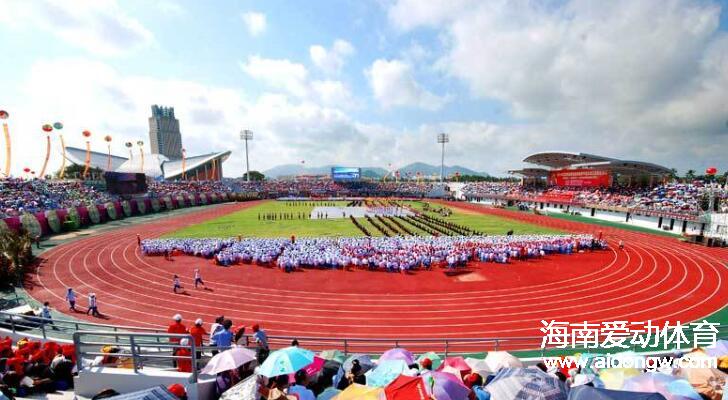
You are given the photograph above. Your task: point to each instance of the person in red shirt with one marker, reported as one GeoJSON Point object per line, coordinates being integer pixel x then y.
{"type": "Point", "coordinates": [177, 328]}
{"type": "Point", "coordinates": [198, 332]}
{"type": "Point", "coordinates": [184, 364]}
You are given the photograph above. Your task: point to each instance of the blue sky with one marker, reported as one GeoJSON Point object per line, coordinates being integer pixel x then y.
{"type": "Point", "coordinates": [371, 82]}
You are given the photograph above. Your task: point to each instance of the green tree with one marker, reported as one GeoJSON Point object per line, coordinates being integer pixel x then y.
{"type": "Point", "coordinates": [254, 176]}
{"type": "Point", "coordinates": [16, 255]}
{"type": "Point", "coordinates": [75, 171]}
{"type": "Point", "coordinates": [690, 175]}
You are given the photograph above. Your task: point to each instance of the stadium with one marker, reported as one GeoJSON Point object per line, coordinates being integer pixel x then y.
{"type": "Point", "coordinates": [166, 268]}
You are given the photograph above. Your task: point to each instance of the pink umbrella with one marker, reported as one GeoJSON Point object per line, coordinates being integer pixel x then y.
{"type": "Point", "coordinates": [455, 364]}
{"type": "Point", "coordinates": [398, 353]}
{"type": "Point", "coordinates": [311, 369]}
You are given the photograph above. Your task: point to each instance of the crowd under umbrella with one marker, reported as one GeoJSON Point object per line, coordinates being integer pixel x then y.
{"type": "Point", "coordinates": [592, 393]}
{"type": "Point", "coordinates": [228, 360]}
{"type": "Point", "coordinates": [704, 380]}
{"type": "Point", "coordinates": [455, 365]}
{"type": "Point", "coordinates": [445, 386]}
{"type": "Point", "coordinates": [398, 353]}
{"type": "Point", "coordinates": [671, 387]}
{"type": "Point", "coordinates": [526, 383]}
{"type": "Point", "coordinates": [286, 361]}
{"type": "Point", "coordinates": [479, 366]}
{"type": "Point", "coordinates": [335, 355]}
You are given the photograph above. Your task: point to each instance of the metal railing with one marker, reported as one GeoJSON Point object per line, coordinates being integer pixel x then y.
{"type": "Point", "coordinates": [142, 349]}
{"type": "Point", "coordinates": [62, 329]}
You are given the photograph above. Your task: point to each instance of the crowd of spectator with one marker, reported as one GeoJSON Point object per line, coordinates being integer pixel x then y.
{"type": "Point", "coordinates": [29, 367]}
{"type": "Point", "coordinates": [20, 195]}
{"type": "Point", "coordinates": [671, 197]}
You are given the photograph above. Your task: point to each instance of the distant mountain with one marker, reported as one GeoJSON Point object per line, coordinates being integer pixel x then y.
{"type": "Point", "coordinates": [428, 169]}
{"type": "Point", "coordinates": [298, 169]}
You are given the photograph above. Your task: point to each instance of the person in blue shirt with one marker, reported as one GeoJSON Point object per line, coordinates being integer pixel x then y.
{"type": "Point", "coordinates": [223, 338]}
{"type": "Point", "coordinates": [261, 341]}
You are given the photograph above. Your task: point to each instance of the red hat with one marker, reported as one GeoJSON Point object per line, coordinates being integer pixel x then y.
{"type": "Point", "coordinates": [177, 390]}
{"type": "Point", "coordinates": [256, 328]}
{"type": "Point", "coordinates": [472, 379]}
{"type": "Point", "coordinates": [426, 363]}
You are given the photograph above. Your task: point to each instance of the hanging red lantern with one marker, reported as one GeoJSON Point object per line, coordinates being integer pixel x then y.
{"type": "Point", "coordinates": [26, 170]}
{"type": "Point", "coordinates": [86, 134]}
{"type": "Point", "coordinates": [711, 171]}
{"type": "Point", "coordinates": [107, 138]}
{"type": "Point", "coordinates": [47, 128]}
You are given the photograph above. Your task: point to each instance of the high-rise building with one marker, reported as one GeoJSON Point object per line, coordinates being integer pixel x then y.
{"type": "Point", "coordinates": [164, 135]}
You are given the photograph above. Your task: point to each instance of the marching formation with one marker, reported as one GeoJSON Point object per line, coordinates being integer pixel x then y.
{"type": "Point", "coordinates": [384, 253]}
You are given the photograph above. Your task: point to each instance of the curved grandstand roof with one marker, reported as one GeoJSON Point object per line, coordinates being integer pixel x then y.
{"type": "Point", "coordinates": [565, 159]}
{"type": "Point", "coordinates": [531, 172]}
{"type": "Point", "coordinates": [173, 168]}
{"type": "Point", "coordinates": [98, 160]}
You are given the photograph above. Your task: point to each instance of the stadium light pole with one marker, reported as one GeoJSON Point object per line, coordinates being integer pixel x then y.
{"type": "Point", "coordinates": [442, 138]}
{"type": "Point", "coordinates": [246, 135]}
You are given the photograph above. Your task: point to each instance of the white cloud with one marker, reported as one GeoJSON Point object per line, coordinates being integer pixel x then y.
{"type": "Point", "coordinates": [99, 26]}
{"type": "Point", "coordinates": [393, 84]}
{"type": "Point", "coordinates": [278, 73]}
{"type": "Point", "coordinates": [331, 61]}
{"type": "Point", "coordinates": [255, 22]}
{"type": "Point", "coordinates": [628, 79]}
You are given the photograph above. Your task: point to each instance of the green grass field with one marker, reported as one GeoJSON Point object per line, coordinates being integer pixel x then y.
{"type": "Point", "coordinates": [246, 223]}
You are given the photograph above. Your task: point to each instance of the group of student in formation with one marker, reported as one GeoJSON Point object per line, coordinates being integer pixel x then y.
{"type": "Point", "coordinates": [386, 253]}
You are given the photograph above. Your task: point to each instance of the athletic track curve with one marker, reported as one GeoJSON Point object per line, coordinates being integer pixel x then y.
{"type": "Point", "coordinates": [655, 278]}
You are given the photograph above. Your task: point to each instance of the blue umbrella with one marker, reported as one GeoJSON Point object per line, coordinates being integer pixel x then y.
{"type": "Point", "coordinates": [386, 372]}
{"type": "Point", "coordinates": [526, 383]}
{"type": "Point", "coordinates": [590, 393]}
{"type": "Point", "coordinates": [286, 361]}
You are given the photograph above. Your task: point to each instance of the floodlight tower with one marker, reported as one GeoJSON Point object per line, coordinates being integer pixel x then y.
{"type": "Point", "coordinates": [442, 138]}
{"type": "Point", "coordinates": [246, 135]}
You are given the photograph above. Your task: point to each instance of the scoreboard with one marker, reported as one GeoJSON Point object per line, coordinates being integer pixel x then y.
{"type": "Point", "coordinates": [345, 174]}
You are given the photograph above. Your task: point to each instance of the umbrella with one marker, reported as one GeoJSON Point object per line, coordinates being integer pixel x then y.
{"type": "Point", "coordinates": [311, 369]}
{"type": "Point", "coordinates": [365, 362]}
{"type": "Point", "coordinates": [526, 383]}
{"type": "Point", "coordinates": [479, 366]}
{"type": "Point", "coordinates": [445, 386]}
{"type": "Point", "coordinates": [501, 359]}
{"type": "Point", "coordinates": [398, 353]}
{"type": "Point", "coordinates": [386, 372]}
{"type": "Point", "coordinates": [434, 357]}
{"type": "Point", "coordinates": [328, 394]}
{"type": "Point", "coordinates": [614, 378]}
{"type": "Point", "coordinates": [360, 392]}
{"type": "Point", "coordinates": [590, 393]}
{"type": "Point", "coordinates": [720, 348]}
{"type": "Point", "coordinates": [669, 386]}
{"type": "Point", "coordinates": [227, 360]}
{"type": "Point", "coordinates": [406, 388]}
{"type": "Point", "coordinates": [286, 361]}
{"type": "Point", "coordinates": [456, 365]}
{"type": "Point", "coordinates": [335, 355]}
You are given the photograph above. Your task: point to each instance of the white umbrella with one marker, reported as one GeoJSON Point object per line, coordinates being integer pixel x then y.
{"type": "Point", "coordinates": [479, 366]}
{"type": "Point", "coordinates": [227, 360]}
{"type": "Point", "coordinates": [496, 360]}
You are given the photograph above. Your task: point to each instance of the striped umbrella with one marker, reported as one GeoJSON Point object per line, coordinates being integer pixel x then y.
{"type": "Point", "coordinates": [526, 383]}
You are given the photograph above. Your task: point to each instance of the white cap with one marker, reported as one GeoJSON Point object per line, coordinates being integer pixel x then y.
{"type": "Point", "coordinates": [198, 321]}
{"type": "Point", "coordinates": [177, 317]}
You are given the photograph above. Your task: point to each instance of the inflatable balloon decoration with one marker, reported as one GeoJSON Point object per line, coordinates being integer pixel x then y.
{"type": "Point", "coordinates": [58, 126]}
{"type": "Point", "coordinates": [129, 146]}
{"type": "Point", "coordinates": [87, 135]}
{"type": "Point", "coordinates": [711, 171]}
{"type": "Point", "coordinates": [107, 139]}
{"type": "Point", "coordinates": [47, 128]}
{"type": "Point", "coordinates": [4, 116]}
{"type": "Point", "coordinates": [141, 154]}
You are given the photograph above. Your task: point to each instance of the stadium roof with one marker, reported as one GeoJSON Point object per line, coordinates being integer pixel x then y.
{"type": "Point", "coordinates": [531, 172]}
{"type": "Point", "coordinates": [155, 165]}
{"type": "Point", "coordinates": [564, 159]}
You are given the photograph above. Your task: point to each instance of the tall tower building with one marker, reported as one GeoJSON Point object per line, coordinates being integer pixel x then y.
{"type": "Point", "coordinates": [164, 135]}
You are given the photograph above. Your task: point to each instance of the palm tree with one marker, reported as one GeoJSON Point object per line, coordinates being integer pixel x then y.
{"type": "Point", "coordinates": [15, 254]}
{"type": "Point", "coordinates": [690, 175]}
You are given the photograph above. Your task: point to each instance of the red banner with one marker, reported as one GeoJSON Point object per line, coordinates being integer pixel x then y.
{"type": "Point", "coordinates": [580, 178]}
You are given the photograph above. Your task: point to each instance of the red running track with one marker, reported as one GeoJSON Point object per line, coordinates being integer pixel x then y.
{"type": "Point", "coordinates": [655, 278]}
